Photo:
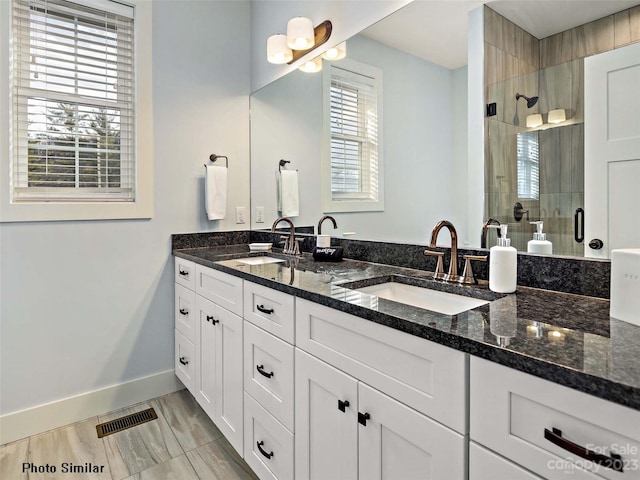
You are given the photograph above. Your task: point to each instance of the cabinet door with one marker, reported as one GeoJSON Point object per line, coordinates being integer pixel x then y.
{"type": "Point", "coordinates": [206, 328]}
{"type": "Point", "coordinates": [326, 437]}
{"type": "Point", "coordinates": [398, 442]}
{"type": "Point", "coordinates": [229, 415]}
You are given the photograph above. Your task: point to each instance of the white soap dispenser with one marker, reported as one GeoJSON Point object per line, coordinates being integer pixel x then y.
{"type": "Point", "coordinates": [539, 244]}
{"type": "Point", "coordinates": [503, 264]}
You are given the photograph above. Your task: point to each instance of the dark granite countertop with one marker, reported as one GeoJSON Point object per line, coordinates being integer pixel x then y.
{"type": "Point", "coordinates": [567, 339]}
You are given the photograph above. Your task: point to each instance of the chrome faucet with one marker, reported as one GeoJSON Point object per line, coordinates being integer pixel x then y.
{"type": "Point", "coordinates": [291, 246]}
{"type": "Point", "coordinates": [485, 228]}
{"type": "Point", "coordinates": [326, 217]}
{"type": "Point", "coordinates": [452, 276]}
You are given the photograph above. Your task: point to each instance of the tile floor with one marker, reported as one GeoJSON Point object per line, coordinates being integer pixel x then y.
{"type": "Point", "coordinates": [182, 444]}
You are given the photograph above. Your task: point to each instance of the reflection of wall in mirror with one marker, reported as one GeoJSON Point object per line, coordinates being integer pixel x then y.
{"type": "Point", "coordinates": [421, 162]}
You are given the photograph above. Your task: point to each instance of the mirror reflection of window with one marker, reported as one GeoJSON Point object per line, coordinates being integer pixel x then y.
{"type": "Point", "coordinates": [354, 135]}
{"type": "Point", "coordinates": [528, 166]}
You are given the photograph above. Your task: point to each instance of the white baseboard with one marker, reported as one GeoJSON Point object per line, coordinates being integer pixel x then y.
{"type": "Point", "coordinates": [24, 423]}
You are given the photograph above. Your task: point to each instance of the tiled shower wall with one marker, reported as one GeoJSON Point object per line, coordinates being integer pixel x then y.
{"type": "Point", "coordinates": [552, 69]}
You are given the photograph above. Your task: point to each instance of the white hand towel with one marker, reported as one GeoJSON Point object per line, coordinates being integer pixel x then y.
{"type": "Point", "coordinates": [289, 193]}
{"type": "Point", "coordinates": [215, 192]}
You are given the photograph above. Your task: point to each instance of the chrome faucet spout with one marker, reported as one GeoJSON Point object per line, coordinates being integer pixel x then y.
{"type": "Point", "coordinates": [290, 245]}
{"type": "Point", "coordinates": [326, 217]}
{"type": "Point", "coordinates": [452, 276]}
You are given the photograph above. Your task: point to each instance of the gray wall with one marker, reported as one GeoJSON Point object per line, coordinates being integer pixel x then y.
{"type": "Point", "coordinates": [86, 305]}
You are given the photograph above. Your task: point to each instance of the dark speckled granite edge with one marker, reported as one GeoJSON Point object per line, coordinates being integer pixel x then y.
{"type": "Point", "coordinates": [579, 276]}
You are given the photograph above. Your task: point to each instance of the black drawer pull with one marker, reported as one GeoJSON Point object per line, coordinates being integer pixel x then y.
{"type": "Point", "coordinates": [184, 273]}
{"type": "Point", "coordinates": [343, 405]}
{"type": "Point", "coordinates": [184, 311]}
{"type": "Point", "coordinates": [262, 451]}
{"type": "Point", "coordinates": [613, 462]}
{"type": "Point", "coordinates": [260, 369]}
{"type": "Point", "coordinates": [362, 418]}
{"type": "Point", "coordinates": [213, 320]}
{"type": "Point", "coordinates": [268, 311]}
{"type": "Point", "coordinates": [184, 361]}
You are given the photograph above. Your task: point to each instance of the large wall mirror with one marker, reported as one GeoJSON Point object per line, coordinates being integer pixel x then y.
{"type": "Point", "coordinates": [424, 132]}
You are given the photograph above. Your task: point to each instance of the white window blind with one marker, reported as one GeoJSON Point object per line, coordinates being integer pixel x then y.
{"type": "Point", "coordinates": [354, 136]}
{"type": "Point", "coordinates": [73, 101]}
{"type": "Point", "coordinates": [528, 165]}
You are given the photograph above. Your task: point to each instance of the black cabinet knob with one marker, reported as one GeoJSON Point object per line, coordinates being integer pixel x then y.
{"type": "Point", "coordinates": [263, 451]}
{"type": "Point", "coordinates": [261, 308]}
{"type": "Point", "coordinates": [262, 372]}
{"type": "Point", "coordinates": [184, 361]}
{"type": "Point", "coordinates": [362, 418]}
{"type": "Point", "coordinates": [184, 311]}
{"type": "Point", "coordinates": [343, 405]}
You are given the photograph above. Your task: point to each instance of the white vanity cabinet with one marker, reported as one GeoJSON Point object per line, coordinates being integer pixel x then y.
{"type": "Point", "coordinates": [269, 382]}
{"type": "Point", "coordinates": [363, 395]}
{"type": "Point", "coordinates": [209, 343]}
{"type": "Point", "coordinates": [551, 430]}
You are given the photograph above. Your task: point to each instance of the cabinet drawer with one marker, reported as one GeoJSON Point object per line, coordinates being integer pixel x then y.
{"type": "Point", "coordinates": [186, 312]}
{"type": "Point", "coordinates": [268, 372]}
{"type": "Point", "coordinates": [426, 376]}
{"type": "Point", "coordinates": [269, 309]}
{"type": "Point", "coordinates": [268, 446]}
{"type": "Point", "coordinates": [511, 410]}
{"type": "Point", "coordinates": [185, 273]}
{"type": "Point", "coordinates": [486, 465]}
{"type": "Point", "coordinates": [219, 287]}
{"type": "Point", "coordinates": [185, 361]}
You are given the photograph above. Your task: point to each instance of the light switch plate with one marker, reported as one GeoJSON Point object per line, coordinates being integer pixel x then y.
{"type": "Point", "coordinates": [259, 214]}
{"type": "Point", "coordinates": [240, 215]}
{"type": "Point", "coordinates": [625, 285]}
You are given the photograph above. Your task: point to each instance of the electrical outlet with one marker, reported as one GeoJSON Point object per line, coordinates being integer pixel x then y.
{"type": "Point", "coordinates": [259, 214]}
{"type": "Point", "coordinates": [625, 284]}
{"type": "Point", "coordinates": [240, 214]}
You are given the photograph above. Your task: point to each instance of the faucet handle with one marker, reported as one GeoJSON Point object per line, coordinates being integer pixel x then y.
{"type": "Point", "coordinates": [296, 246]}
{"type": "Point", "coordinates": [284, 239]}
{"type": "Point", "coordinates": [439, 273]}
{"type": "Point", "coordinates": [467, 275]}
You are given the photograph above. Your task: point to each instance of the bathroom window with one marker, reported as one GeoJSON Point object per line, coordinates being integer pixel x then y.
{"type": "Point", "coordinates": [528, 166]}
{"type": "Point", "coordinates": [73, 99]}
{"type": "Point", "coordinates": [353, 160]}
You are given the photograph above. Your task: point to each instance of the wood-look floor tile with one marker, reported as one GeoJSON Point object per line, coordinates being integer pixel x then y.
{"type": "Point", "coordinates": [12, 456]}
{"type": "Point", "coordinates": [73, 446]}
{"type": "Point", "coordinates": [191, 426]}
{"type": "Point", "coordinates": [219, 461]}
{"type": "Point", "coordinates": [141, 447]}
{"type": "Point", "coordinates": [177, 468]}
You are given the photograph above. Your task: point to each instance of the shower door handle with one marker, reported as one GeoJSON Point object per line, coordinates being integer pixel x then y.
{"type": "Point", "coordinates": [578, 225]}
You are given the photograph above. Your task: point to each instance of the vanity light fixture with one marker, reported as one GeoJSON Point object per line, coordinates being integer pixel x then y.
{"type": "Point", "coordinates": [312, 66]}
{"type": "Point", "coordinates": [279, 49]}
{"type": "Point", "coordinates": [557, 116]}
{"type": "Point", "coordinates": [336, 53]}
{"type": "Point", "coordinates": [534, 120]}
{"type": "Point", "coordinates": [300, 34]}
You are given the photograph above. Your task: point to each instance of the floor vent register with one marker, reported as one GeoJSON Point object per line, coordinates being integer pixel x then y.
{"type": "Point", "coordinates": [128, 421]}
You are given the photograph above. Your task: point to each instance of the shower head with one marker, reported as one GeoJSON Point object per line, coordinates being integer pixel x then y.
{"type": "Point", "coordinates": [530, 101]}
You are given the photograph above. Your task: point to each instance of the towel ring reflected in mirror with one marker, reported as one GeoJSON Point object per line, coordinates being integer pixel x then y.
{"type": "Point", "coordinates": [213, 157]}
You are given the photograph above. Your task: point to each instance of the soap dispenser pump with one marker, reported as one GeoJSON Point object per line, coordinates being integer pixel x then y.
{"type": "Point", "coordinates": [539, 244]}
{"type": "Point", "coordinates": [503, 264]}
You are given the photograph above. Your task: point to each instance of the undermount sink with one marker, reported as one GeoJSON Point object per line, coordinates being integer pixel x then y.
{"type": "Point", "coordinates": [258, 260]}
{"type": "Point", "coordinates": [434, 300]}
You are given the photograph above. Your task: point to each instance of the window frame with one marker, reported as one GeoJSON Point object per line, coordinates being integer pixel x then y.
{"type": "Point", "coordinates": [55, 210]}
{"type": "Point", "coordinates": [346, 202]}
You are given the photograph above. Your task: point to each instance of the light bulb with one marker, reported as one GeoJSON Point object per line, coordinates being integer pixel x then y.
{"type": "Point", "coordinates": [300, 33]}
{"type": "Point", "coordinates": [312, 66]}
{"type": "Point", "coordinates": [336, 53]}
{"type": "Point", "coordinates": [277, 50]}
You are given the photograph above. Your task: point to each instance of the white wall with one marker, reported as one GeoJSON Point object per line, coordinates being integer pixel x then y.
{"type": "Point", "coordinates": [269, 17]}
{"type": "Point", "coordinates": [84, 305]}
{"type": "Point", "coordinates": [423, 105]}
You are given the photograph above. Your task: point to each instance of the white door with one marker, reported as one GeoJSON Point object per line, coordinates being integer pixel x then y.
{"type": "Point", "coordinates": [206, 355]}
{"type": "Point", "coordinates": [326, 439]}
{"type": "Point", "coordinates": [396, 442]}
{"type": "Point", "coordinates": [229, 390]}
{"type": "Point", "coordinates": [612, 150]}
